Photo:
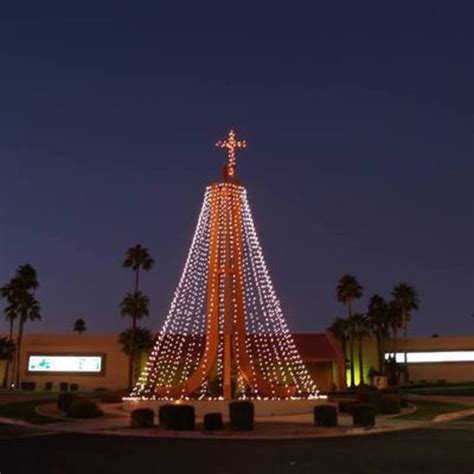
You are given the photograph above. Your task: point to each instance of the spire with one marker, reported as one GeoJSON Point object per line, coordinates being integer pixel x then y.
{"type": "Point", "coordinates": [231, 144]}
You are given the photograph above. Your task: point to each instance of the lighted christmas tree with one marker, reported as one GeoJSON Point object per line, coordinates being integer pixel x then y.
{"type": "Point", "coordinates": [225, 336]}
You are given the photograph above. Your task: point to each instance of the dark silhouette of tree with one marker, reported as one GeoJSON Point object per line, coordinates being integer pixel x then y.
{"type": "Point", "coordinates": [137, 258]}
{"type": "Point", "coordinates": [340, 329]}
{"type": "Point", "coordinates": [22, 306]}
{"type": "Point", "coordinates": [405, 300]}
{"type": "Point", "coordinates": [79, 326]}
{"type": "Point", "coordinates": [136, 306]}
{"type": "Point", "coordinates": [348, 289]}
{"type": "Point", "coordinates": [379, 325]}
{"type": "Point", "coordinates": [7, 352]}
{"type": "Point", "coordinates": [143, 341]}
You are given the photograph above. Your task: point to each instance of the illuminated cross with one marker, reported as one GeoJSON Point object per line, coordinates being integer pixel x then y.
{"type": "Point", "coordinates": [231, 144]}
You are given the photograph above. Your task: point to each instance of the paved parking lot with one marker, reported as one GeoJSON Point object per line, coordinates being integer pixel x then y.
{"type": "Point", "coordinates": [446, 449]}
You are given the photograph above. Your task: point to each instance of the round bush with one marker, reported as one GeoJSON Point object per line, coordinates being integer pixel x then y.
{"type": "Point", "coordinates": [176, 417]}
{"type": "Point", "coordinates": [213, 422]}
{"type": "Point", "coordinates": [370, 397]}
{"type": "Point", "coordinates": [84, 408]}
{"type": "Point", "coordinates": [363, 415]}
{"type": "Point", "coordinates": [65, 400]}
{"type": "Point", "coordinates": [241, 415]}
{"type": "Point", "coordinates": [325, 415]}
{"type": "Point", "coordinates": [142, 418]}
{"type": "Point", "coordinates": [390, 404]}
{"type": "Point", "coordinates": [347, 406]}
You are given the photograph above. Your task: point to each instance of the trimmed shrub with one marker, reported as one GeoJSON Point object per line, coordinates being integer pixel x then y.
{"type": "Point", "coordinates": [74, 387]}
{"type": "Point", "coordinates": [370, 397]}
{"type": "Point", "coordinates": [392, 390]}
{"type": "Point", "coordinates": [363, 388]}
{"type": "Point", "coordinates": [84, 408]}
{"type": "Point", "coordinates": [213, 422]}
{"type": "Point", "coordinates": [64, 386]}
{"type": "Point", "coordinates": [404, 403]}
{"type": "Point", "coordinates": [65, 400]}
{"type": "Point", "coordinates": [48, 386]}
{"type": "Point", "coordinates": [363, 415]}
{"type": "Point", "coordinates": [176, 417]}
{"type": "Point", "coordinates": [241, 415]}
{"type": "Point", "coordinates": [346, 406]}
{"type": "Point", "coordinates": [325, 415]}
{"type": "Point", "coordinates": [142, 418]}
{"type": "Point", "coordinates": [28, 385]}
{"type": "Point", "coordinates": [390, 404]}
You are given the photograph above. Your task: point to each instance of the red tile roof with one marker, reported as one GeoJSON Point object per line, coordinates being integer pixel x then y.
{"type": "Point", "coordinates": [315, 347]}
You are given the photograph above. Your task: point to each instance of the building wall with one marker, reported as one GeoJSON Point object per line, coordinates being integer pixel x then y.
{"type": "Point", "coordinates": [325, 373]}
{"type": "Point", "coordinates": [114, 376]}
{"type": "Point", "coordinates": [430, 372]}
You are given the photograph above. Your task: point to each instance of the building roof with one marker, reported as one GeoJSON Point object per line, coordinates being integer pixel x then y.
{"type": "Point", "coordinates": [315, 347]}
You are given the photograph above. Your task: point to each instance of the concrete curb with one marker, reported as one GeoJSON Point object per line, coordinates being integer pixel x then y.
{"type": "Point", "coordinates": [75, 427]}
{"type": "Point", "coordinates": [453, 416]}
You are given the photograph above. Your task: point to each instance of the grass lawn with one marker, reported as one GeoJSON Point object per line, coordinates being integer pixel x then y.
{"type": "Point", "coordinates": [426, 410]}
{"type": "Point", "coordinates": [25, 411]}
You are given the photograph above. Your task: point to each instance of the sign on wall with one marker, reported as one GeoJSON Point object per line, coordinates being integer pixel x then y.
{"type": "Point", "coordinates": [65, 363]}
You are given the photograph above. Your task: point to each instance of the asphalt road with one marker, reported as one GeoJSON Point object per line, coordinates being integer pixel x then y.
{"type": "Point", "coordinates": [447, 449]}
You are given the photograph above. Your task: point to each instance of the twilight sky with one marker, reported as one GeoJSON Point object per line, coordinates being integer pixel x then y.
{"type": "Point", "coordinates": [358, 117]}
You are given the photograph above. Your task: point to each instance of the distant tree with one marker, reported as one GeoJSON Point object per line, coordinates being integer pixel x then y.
{"type": "Point", "coordinates": [340, 329]}
{"type": "Point", "coordinates": [136, 306]}
{"type": "Point", "coordinates": [406, 300]}
{"type": "Point", "coordinates": [137, 258]}
{"type": "Point", "coordinates": [79, 326]}
{"type": "Point", "coordinates": [21, 305]}
{"type": "Point", "coordinates": [378, 322]}
{"type": "Point", "coordinates": [348, 290]}
{"type": "Point", "coordinates": [352, 332]}
{"type": "Point", "coordinates": [360, 330]}
{"type": "Point", "coordinates": [11, 315]}
{"type": "Point", "coordinates": [7, 351]}
{"type": "Point", "coordinates": [142, 341]}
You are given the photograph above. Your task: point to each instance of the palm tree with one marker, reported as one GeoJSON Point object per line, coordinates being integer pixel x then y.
{"type": "Point", "coordinates": [352, 333]}
{"type": "Point", "coordinates": [340, 330]}
{"type": "Point", "coordinates": [79, 326]}
{"type": "Point", "coordinates": [136, 306]}
{"type": "Point", "coordinates": [143, 342]}
{"type": "Point", "coordinates": [377, 318]}
{"type": "Point", "coordinates": [406, 299]}
{"type": "Point", "coordinates": [22, 305]}
{"type": "Point", "coordinates": [360, 330]}
{"type": "Point", "coordinates": [348, 289]}
{"type": "Point", "coordinates": [137, 258]}
{"type": "Point", "coordinates": [7, 351]}
{"type": "Point", "coordinates": [11, 316]}
{"type": "Point", "coordinates": [394, 317]}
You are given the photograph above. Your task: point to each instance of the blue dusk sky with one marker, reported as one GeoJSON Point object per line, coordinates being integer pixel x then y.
{"type": "Point", "coordinates": [358, 118]}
